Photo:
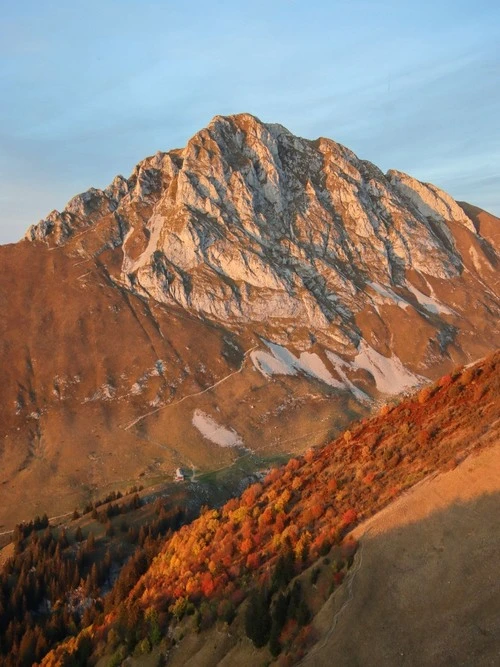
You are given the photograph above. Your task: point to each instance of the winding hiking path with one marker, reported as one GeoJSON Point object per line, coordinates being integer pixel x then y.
{"type": "Point", "coordinates": [197, 393]}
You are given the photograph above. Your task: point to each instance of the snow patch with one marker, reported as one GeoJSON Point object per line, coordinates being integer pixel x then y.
{"type": "Point", "coordinates": [339, 365]}
{"type": "Point", "coordinates": [430, 304]}
{"type": "Point", "coordinates": [390, 376]}
{"type": "Point", "coordinates": [388, 294]}
{"type": "Point", "coordinates": [282, 362]}
{"type": "Point", "coordinates": [211, 430]}
{"type": "Point", "coordinates": [270, 365]}
{"type": "Point", "coordinates": [312, 365]}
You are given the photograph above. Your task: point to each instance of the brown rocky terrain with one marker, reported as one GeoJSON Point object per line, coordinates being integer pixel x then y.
{"type": "Point", "coordinates": [227, 303]}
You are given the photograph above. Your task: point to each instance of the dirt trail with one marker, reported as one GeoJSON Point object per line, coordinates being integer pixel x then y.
{"type": "Point", "coordinates": [425, 588]}
{"type": "Point", "coordinates": [197, 393]}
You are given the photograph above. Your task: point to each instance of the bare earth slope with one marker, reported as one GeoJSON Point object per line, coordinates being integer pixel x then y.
{"type": "Point", "coordinates": [425, 588]}
{"type": "Point", "coordinates": [234, 299]}
{"type": "Point", "coordinates": [485, 223]}
{"type": "Point", "coordinates": [79, 358]}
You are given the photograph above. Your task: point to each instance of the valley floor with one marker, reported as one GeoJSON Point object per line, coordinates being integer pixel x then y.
{"type": "Point", "coordinates": [425, 587]}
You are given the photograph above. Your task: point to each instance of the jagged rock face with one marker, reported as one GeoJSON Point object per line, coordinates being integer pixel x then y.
{"type": "Point", "coordinates": [252, 292]}
{"type": "Point", "coordinates": [250, 224]}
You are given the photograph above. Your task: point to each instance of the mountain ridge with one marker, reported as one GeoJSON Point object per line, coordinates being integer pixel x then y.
{"type": "Point", "coordinates": [249, 223]}
{"type": "Point", "coordinates": [253, 264]}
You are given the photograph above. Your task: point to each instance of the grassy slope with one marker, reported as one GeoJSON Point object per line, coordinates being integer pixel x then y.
{"type": "Point", "coordinates": [426, 581]}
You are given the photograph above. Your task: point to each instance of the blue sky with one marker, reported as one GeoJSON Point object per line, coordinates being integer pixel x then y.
{"type": "Point", "coordinates": [89, 88]}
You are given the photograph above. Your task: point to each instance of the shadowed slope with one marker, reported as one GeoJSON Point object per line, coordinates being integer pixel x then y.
{"type": "Point", "coordinates": [425, 586]}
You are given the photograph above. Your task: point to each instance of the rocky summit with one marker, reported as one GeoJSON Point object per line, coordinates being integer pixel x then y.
{"type": "Point", "coordinates": [224, 301]}
{"type": "Point", "coordinates": [252, 225]}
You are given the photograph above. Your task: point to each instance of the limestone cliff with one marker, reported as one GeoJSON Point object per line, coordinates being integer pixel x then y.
{"type": "Point", "coordinates": [251, 224]}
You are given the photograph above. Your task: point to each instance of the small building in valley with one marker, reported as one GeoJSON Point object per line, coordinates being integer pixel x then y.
{"type": "Point", "coordinates": [180, 475]}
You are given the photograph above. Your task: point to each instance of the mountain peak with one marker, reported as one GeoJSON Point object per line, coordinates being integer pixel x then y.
{"type": "Point", "coordinates": [250, 263]}
{"type": "Point", "coordinates": [247, 122]}
{"type": "Point", "coordinates": [249, 223]}
{"type": "Point", "coordinates": [242, 119]}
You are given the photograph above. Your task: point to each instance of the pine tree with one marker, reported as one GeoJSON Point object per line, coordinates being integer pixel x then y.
{"type": "Point", "coordinates": [284, 571]}
{"type": "Point", "coordinates": [41, 646]}
{"type": "Point", "coordinates": [90, 546]}
{"type": "Point", "coordinates": [27, 649]}
{"type": "Point", "coordinates": [257, 619]}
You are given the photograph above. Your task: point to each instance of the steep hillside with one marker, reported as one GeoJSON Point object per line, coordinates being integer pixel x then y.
{"type": "Point", "coordinates": [288, 532]}
{"type": "Point", "coordinates": [226, 303]}
{"type": "Point", "coordinates": [432, 555]}
{"type": "Point", "coordinates": [485, 223]}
